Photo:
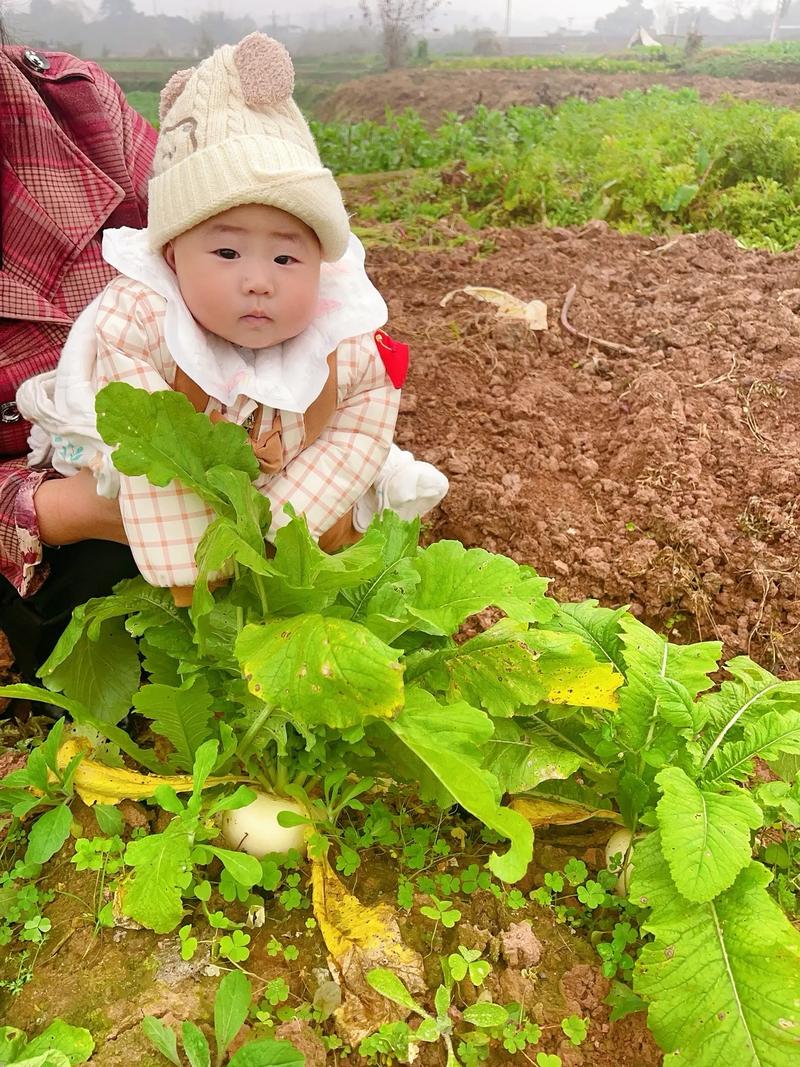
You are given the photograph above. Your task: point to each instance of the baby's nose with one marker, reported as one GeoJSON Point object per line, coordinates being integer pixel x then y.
{"type": "Point", "coordinates": [259, 281]}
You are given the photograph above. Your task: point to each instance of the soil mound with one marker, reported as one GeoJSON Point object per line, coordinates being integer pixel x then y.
{"type": "Point", "coordinates": [669, 478]}
{"type": "Point", "coordinates": [434, 92]}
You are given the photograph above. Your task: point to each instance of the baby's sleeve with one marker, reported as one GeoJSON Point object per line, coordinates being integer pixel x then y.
{"type": "Point", "coordinates": [326, 479]}
{"type": "Point", "coordinates": [163, 525]}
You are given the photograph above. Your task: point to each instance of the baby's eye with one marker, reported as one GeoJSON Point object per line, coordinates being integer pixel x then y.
{"type": "Point", "coordinates": [284, 261]}
{"type": "Point", "coordinates": [226, 253]}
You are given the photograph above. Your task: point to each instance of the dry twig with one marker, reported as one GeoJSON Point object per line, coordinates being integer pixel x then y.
{"type": "Point", "coordinates": [612, 346]}
{"type": "Point", "coordinates": [721, 377]}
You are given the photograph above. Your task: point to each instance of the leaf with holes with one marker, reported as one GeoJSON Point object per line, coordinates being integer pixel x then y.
{"type": "Point", "coordinates": [322, 670]}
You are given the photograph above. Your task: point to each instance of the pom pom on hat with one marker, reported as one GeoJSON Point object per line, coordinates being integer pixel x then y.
{"type": "Point", "coordinates": [265, 70]}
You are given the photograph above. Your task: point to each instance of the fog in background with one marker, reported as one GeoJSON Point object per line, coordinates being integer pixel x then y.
{"type": "Point", "coordinates": [526, 16]}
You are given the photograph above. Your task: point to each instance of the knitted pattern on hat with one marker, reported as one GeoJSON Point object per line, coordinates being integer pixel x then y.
{"type": "Point", "coordinates": [231, 134]}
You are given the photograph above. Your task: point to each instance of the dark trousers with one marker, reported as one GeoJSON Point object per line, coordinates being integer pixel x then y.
{"type": "Point", "coordinates": [77, 573]}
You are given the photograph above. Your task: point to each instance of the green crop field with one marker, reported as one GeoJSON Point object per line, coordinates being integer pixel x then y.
{"type": "Point", "coordinates": [652, 162]}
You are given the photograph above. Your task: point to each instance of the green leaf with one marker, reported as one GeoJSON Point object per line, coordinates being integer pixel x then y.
{"type": "Point", "coordinates": [705, 837]}
{"type": "Point", "coordinates": [597, 627]}
{"type": "Point", "coordinates": [267, 1053]}
{"type": "Point", "coordinates": [722, 977]}
{"type": "Point", "coordinates": [230, 540]}
{"type": "Point", "coordinates": [74, 1042]}
{"type": "Point", "coordinates": [53, 1058]}
{"type": "Point", "coordinates": [109, 819]}
{"type": "Point", "coordinates": [163, 1037]}
{"type": "Point", "coordinates": [251, 509]}
{"type": "Point", "coordinates": [220, 547]}
{"type": "Point", "coordinates": [456, 582]}
{"type": "Point", "coordinates": [161, 436]}
{"type": "Point", "coordinates": [305, 579]}
{"type": "Point", "coordinates": [204, 762]}
{"type": "Point", "coordinates": [508, 666]}
{"type": "Point", "coordinates": [384, 593]}
{"type": "Point", "coordinates": [144, 757]}
{"type": "Point", "coordinates": [447, 741]}
{"type": "Point", "coordinates": [674, 703]}
{"type": "Point", "coordinates": [773, 733]}
{"type": "Point", "coordinates": [323, 670]}
{"type": "Point", "coordinates": [244, 869]}
{"type": "Point", "coordinates": [182, 715]}
{"type": "Point", "coordinates": [486, 1015]}
{"type": "Point", "coordinates": [649, 659]}
{"type": "Point", "coordinates": [428, 1030]}
{"type": "Point", "coordinates": [230, 1008]}
{"type": "Point", "coordinates": [195, 1045]}
{"type": "Point", "coordinates": [751, 693]}
{"type": "Point", "coordinates": [161, 870]}
{"type": "Point", "coordinates": [623, 1001]}
{"type": "Point", "coordinates": [49, 833]}
{"type": "Point", "coordinates": [521, 760]}
{"type": "Point", "coordinates": [12, 1043]}
{"type": "Point", "coordinates": [100, 669]}
{"type": "Point", "coordinates": [496, 670]}
{"type": "Point", "coordinates": [388, 984]}
{"type": "Point", "coordinates": [575, 1028]}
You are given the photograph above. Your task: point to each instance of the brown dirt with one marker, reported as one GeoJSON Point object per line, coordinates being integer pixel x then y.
{"type": "Point", "coordinates": [109, 980]}
{"type": "Point", "coordinates": [669, 479]}
{"type": "Point", "coordinates": [433, 92]}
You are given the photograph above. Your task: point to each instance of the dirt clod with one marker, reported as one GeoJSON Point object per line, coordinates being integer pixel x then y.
{"type": "Point", "coordinates": [519, 945]}
{"type": "Point", "coordinates": [304, 1040]}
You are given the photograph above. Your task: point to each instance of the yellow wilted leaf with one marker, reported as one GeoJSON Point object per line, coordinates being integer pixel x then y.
{"type": "Point", "coordinates": [540, 811]}
{"type": "Point", "coordinates": [359, 939]}
{"type": "Point", "coordinates": [571, 674]}
{"type": "Point", "coordinates": [533, 313]}
{"type": "Point", "coordinates": [592, 686]}
{"type": "Point", "coordinates": [95, 783]}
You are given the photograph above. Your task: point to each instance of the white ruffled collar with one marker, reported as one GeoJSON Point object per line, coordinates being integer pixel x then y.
{"type": "Point", "coordinates": [288, 376]}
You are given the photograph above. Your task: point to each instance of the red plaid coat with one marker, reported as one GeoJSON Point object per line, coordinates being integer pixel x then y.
{"type": "Point", "coordinates": [74, 159]}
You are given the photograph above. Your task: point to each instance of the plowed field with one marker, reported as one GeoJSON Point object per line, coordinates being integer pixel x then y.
{"type": "Point", "coordinates": [669, 477]}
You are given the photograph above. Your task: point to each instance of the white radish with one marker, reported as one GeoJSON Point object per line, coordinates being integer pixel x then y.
{"type": "Point", "coordinates": [255, 828]}
{"type": "Point", "coordinates": [621, 843]}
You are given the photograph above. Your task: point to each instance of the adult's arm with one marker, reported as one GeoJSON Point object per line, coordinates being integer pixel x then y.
{"type": "Point", "coordinates": [69, 510]}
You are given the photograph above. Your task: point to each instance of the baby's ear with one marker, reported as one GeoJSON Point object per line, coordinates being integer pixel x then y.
{"type": "Point", "coordinates": [265, 70]}
{"type": "Point", "coordinates": [168, 252]}
{"type": "Point", "coordinates": [172, 90]}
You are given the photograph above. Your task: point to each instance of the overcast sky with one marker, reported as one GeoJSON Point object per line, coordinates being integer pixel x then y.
{"type": "Point", "coordinates": [527, 16]}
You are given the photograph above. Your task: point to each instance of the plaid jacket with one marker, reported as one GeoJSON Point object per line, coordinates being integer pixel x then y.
{"type": "Point", "coordinates": [74, 159]}
{"type": "Point", "coordinates": [322, 481]}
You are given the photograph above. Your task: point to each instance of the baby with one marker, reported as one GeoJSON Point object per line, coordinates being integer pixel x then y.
{"type": "Point", "coordinates": [247, 293]}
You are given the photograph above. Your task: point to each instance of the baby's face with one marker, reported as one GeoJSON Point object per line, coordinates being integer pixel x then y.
{"type": "Point", "coordinates": [249, 275]}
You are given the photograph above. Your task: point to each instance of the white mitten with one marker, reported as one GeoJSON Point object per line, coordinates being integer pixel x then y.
{"type": "Point", "coordinates": [405, 485]}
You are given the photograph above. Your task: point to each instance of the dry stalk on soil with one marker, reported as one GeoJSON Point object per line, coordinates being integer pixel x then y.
{"type": "Point", "coordinates": [612, 346]}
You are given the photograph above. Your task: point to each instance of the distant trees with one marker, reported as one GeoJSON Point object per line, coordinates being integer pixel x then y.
{"type": "Point", "coordinates": [117, 9]}
{"type": "Point", "coordinates": [626, 20]}
{"type": "Point", "coordinates": [397, 20]}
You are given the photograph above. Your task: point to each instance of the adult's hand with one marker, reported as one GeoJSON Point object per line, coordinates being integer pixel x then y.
{"type": "Point", "coordinates": [69, 510]}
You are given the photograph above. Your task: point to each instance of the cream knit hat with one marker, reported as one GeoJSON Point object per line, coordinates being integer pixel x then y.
{"type": "Point", "coordinates": [231, 134]}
